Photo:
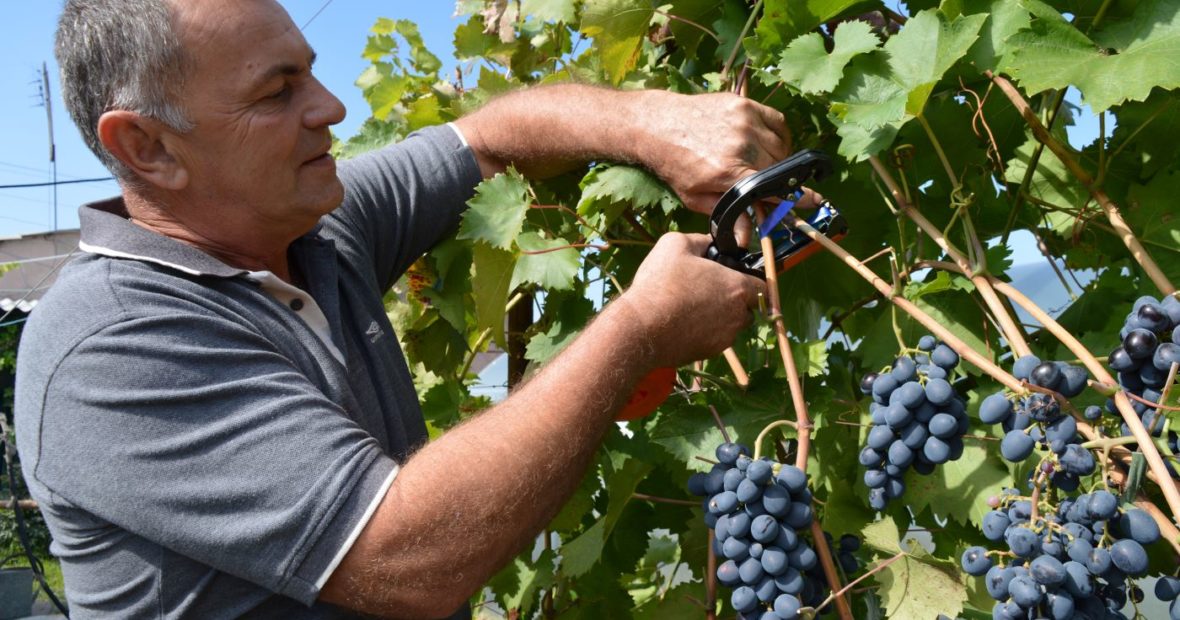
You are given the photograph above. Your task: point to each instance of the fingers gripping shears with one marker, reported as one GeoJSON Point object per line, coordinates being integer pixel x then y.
{"type": "Point", "coordinates": [783, 181]}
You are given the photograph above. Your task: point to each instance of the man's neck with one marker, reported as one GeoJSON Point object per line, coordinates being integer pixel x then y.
{"type": "Point", "coordinates": [249, 251]}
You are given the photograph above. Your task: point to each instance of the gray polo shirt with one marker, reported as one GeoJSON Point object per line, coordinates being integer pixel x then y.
{"type": "Point", "coordinates": [207, 442]}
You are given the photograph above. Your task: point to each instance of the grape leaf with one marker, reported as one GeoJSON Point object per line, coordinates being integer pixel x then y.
{"type": "Point", "coordinates": [916, 586]}
{"type": "Point", "coordinates": [381, 88]}
{"type": "Point", "coordinates": [551, 10]}
{"type": "Point", "coordinates": [373, 134]}
{"type": "Point", "coordinates": [618, 28]}
{"type": "Point", "coordinates": [1125, 61]}
{"type": "Point", "coordinates": [806, 65]}
{"type": "Point", "coordinates": [567, 324]}
{"type": "Point", "coordinates": [893, 84]}
{"type": "Point", "coordinates": [496, 214]}
{"type": "Point", "coordinates": [549, 263]}
{"type": "Point", "coordinates": [581, 553]}
{"type": "Point", "coordinates": [1004, 19]}
{"type": "Point", "coordinates": [1151, 212]}
{"type": "Point", "coordinates": [607, 191]}
{"type": "Point", "coordinates": [783, 20]}
{"type": "Point", "coordinates": [493, 272]}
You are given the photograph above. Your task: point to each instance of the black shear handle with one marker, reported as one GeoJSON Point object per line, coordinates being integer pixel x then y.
{"type": "Point", "coordinates": [781, 179]}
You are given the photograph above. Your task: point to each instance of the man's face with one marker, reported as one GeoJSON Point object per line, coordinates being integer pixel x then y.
{"type": "Point", "coordinates": [257, 156]}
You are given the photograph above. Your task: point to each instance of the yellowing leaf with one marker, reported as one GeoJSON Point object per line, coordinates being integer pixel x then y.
{"type": "Point", "coordinates": [618, 28]}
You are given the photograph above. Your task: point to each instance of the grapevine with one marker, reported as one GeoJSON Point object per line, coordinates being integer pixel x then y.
{"type": "Point", "coordinates": [952, 116]}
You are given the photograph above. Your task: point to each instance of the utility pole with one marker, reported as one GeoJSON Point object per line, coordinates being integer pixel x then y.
{"type": "Point", "coordinates": [48, 99]}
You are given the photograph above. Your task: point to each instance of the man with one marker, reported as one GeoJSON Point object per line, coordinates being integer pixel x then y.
{"type": "Point", "coordinates": [211, 405]}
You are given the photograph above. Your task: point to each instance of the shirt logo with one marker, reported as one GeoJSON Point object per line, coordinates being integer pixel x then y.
{"type": "Point", "coordinates": [374, 332]}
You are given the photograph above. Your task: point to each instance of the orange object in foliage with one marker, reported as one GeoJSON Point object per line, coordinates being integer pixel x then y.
{"type": "Point", "coordinates": [651, 392]}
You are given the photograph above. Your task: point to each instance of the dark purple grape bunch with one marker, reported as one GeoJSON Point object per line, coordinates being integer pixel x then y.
{"type": "Point", "coordinates": [918, 419]}
{"type": "Point", "coordinates": [1037, 421]}
{"type": "Point", "coordinates": [1078, 561]}
{"type": "Point", "coordinates": [1151, 344]}
{"type": "Point", "coordinates": [756, 509]}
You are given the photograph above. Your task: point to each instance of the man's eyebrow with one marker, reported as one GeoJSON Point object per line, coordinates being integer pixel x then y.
{"type": "Point", "coordinates": [286, 69]}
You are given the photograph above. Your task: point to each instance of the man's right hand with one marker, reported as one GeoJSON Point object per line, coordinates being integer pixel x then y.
{"type": "Point", "coordinates": [689, 307]}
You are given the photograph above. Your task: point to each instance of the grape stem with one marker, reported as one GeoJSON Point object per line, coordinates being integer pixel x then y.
{"type": "Point", "coordinates": [711, 582]}
{"type": "Point", "coordinates": [802, 419]}
{"type": "Point", "coordinates": [766, 431]}
{"type": "Point", "coordinates": [876, 569]}
{"type": "Point", "coordinates": [1012, 333]}
{"type": "Point", "coordinates": [720, 424]}
{"type": "Point", "coordinates": [1138, 252]}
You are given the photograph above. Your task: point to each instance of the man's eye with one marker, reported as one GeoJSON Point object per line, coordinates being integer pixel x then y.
{"type": "Point", "coordinates": [280, 94]}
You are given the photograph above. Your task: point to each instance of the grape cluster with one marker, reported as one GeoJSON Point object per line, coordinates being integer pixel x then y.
{"type": "Point", "coordinates": [1037, 419]}
{"type": "Point", "coordinates": [918, 419]}
{"type": "Point", "coordinates": [1151, 344]}
{"type": "Point", "coordinates": [1076, 562]}
{"type": "Point", "coordinates": [757, 509]}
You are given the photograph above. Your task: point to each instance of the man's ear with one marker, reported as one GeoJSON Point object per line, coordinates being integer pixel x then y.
{"type": "Point", "coordinates": [139, 143]}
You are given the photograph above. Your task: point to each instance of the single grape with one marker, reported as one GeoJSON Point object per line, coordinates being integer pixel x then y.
{"type": "Point", "coordinates": [939, 392]}
{"type": "Point", "coordinates": [996, 581]}
{"type": "Point", "coordinates": [975, 561]}
{"type": "Point", "coordinates": [748, 492]}
{"type": "Point", "coordinates": [1078, 581]}
{"type": "Point", "coordinates": [696, 484]}
{"type": "Point", "coordinates": [994, 525]}
{"type": "Point", "coordinates": [900, 454]}
{"type": "Point", "coordinates": [1099, 561]}
{"type": "Point", "coordinates": [727, 453]}
{"type": "Point", "coordinates": [774, 561]}
{"type": "Point", "coordinates": [1153, 318]}
{"type": "Point", "coordinates": [787, 539]}
{"type": "Point", "coordinates": [1166, 354]}
{"type": "Point", "coordinates": [792, 478]}
{"type": "Point", "coordinates": [870, 457]}
{"type": "Point", "coordinates": [733, 478]}
{"type": "Point", "coordinates": [1016, 446]}
{"type": "Point", "coordinates": [759, 471]}
{"type": "Point", "coordinates": [764, 528]}
{"type": "Point", "coordinates": [936, 450]}
{"type": "Point", "coordinates": [904, 369]}
{"type": "Point", "coordinates": [766, 592]}
{"type": "Point", "coordinates": [1140, 344]}
{"type": "Point", "coordinates": [927, 343]}
{"type": "Point", "coordinates": [744, 599]}
{"type": "Point", "coordinates": [1024, 591]}
{"type": "Point", "coordinates": [880, 437]}
{"type": "Point", "coordinates": [945, 357]}
{"type": "Point", "coordinates": [1079, 549]}
{"type": "Point", "coordinates": [787, 607]}
{"type": "Point", "coordinates": [1024, 366]}
{"type": "Point", "coordinates": [802, 558]}
{"type": "Point", "coordinates": [1061, 605]}
{"type": "Point", "coordinates": [1129, 557]}
{"type": "Point", "coordinates": [1137, 525]}
{"type": "Point", "coordinates": [727, 574]}
{"type": "Point", "coordinates": [736, 549]}
{"type": "Point", "coordinates": [1119, 360]}
{"type": "Point", "coordinates": [995, 409]}
{"type": "Point", "coordinates": [849, 543]}
{"type": "Point", "coordinates": [725, 501]}
{"type": "Point", "coordinates": [750, 570]}
{"type": "Point", "coordinates": [1093, 412]}
{"type": "Point", "coordinates": [877, 499]}
{"type": "Point", "coordinates": [1167, 588]}
{"type": "Point", "coordinates": [776, 500]}
{"type": "Point", "coordinates": [756, 550]}
{"type": "Point", "coordinates": [799, 516]}
{"type": "Point", "coordinates": [1073, 381]}
{"type": "Point", "coordinates": [1077, 460]}
{"type": "Point", "coordinates": [1047, 570]}
{"type": "Point", "coordinates": [1102, 505]}
{"type": "Point", "coordinates": [1047, 375]}
{"type": "Point", "coordinates": [943, 425]}
{"type": "Point", "coordinates": [910, 395]}
{"type": "Point", "coordinates": [898, 416]}
{"type": "Point", "coordinates": [883, 387]}
{"type": "Point", "coordinates": [1021, 541]}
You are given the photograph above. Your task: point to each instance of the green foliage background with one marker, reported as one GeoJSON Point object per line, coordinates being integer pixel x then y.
{"type": "Point", "coordinates": [854, 79]}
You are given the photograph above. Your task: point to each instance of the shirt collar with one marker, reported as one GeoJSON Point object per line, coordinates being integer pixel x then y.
{"type": "Point", "coordinates": [107, 229]}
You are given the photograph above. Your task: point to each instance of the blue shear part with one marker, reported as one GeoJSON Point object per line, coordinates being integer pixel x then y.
{"type": "Point", "coordinates": [780, 212]}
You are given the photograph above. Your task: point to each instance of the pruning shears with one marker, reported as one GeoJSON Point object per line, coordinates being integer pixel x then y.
{"type": "Point", "coordinates": [784, 181]}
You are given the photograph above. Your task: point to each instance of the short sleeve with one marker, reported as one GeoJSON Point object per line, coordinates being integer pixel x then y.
{"type": "Point", "coordinates": [196, 433]}
{"type": "Point", "coordinates": [401, 200]}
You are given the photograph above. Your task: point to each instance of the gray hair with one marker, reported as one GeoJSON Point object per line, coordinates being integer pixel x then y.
{"type": "Point", "coordinates": [120, 55]}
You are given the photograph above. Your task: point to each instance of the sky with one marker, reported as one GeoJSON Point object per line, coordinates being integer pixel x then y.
{"type": "Point", "coordinates": [337, 33]}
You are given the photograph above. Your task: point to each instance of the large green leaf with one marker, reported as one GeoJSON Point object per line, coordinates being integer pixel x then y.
{"type": "Point", "coordinates": [894, 84]}
{"type": "Point", "coordinates": [917, 586]}
{"type": "Point", "coordinates": [492, 273]}
{"type": "Point", "coordinates": [807, 65]}
{"type": "Point", "coordinates": [1124, 61]}
{"type": "Point", "coordinates": [581, 553]}
{"type": "Point", "coordinates": [618, 28]}
{"type": "Point", "coordinates": [960, 489]}
{"type": "Point", "coordinates": [496, 214]}
{"type": "Point", "coordinates": [549, 263]}
{"type": "Point", "coordinates": [783, 20]}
